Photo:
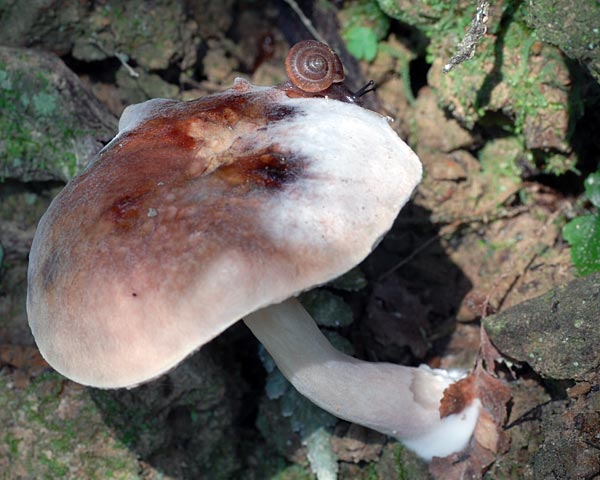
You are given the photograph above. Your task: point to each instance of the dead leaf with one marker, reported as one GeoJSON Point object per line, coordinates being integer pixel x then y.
{"type": "Point", "coordinates": [489, 438]}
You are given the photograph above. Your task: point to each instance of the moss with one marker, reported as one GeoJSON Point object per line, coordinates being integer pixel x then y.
{"type": "Point", "coordinates": [53, 429]}
{"type": "Point", "coordinates": [398, 463]}
{"type": "Point", "coordinates": [149, 33]}
{"type": "Point", "coordinates": [556, 163]}
{"type": "Point", "coordinates": [423, 14]}
{"type": "Point", "coordinates": [398, 450]}
{"type": "Point", "coordinates": [499, 158]}
{"type": "Point", "coordinates": [36, 133]}
{"type": "Point", "coordinates": [13, 444]}
{"type": "Point", "coordinates": [372, 472]}
{"type": "Point", "coordinates": [55, 468]}
{"type": "Point", "coordinates": [131, 426]}
{"type": "Point", "coordinates": [512, 74]}
{"type": "Point", "coordinates": [474, 83]}
{"type": "Point", "coordinates": [572, 26]}
{"type": "Point", "coordinates": [555, 333]}
{"type": "Point", "coordinates": [294, 472]}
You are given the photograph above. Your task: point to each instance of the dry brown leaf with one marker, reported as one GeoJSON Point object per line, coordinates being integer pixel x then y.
{"type": "Point", "coordinates": [489, 438]}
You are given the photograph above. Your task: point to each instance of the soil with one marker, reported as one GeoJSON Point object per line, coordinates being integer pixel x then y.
{"type": "Point", "coordinates": [482, 234]}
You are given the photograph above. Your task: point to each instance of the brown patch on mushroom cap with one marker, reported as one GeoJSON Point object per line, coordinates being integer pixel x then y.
{"type": "Point", "coordinates": [194, 215]}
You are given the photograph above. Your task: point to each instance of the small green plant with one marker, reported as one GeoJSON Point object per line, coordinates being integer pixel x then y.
{"type": "Point", "coordinates": [361, 42]}
{"type": "Point", "coordinates": [364, 25]}
{"type": "Point", "coordinates": [583, 233]}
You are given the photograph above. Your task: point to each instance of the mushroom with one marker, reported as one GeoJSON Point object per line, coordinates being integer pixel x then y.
{"type": "Point", "coordinates": [200, 213]}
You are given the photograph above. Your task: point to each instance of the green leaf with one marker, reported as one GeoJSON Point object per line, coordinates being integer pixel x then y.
{"type": "Point", "coordinates": [305, 416]}
{"type": "Point", "coordinates": [361, 42]}
{"type": "Point", "coordinates": [276, 385]}
{"type": "Point", "coordinates": [327, 309]}
{"type": "Point", "coordinates": [592, 188]}
{"type": "Point", "coordinates": [583, 234]}
{"type": "Point", "coordinates": [351, 281]}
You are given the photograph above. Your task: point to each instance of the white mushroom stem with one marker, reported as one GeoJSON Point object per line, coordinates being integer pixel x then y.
{"type": "Point", "coordinates": [399, 401]}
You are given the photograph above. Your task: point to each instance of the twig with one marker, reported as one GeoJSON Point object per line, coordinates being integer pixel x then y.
{"type": "Point", "coordinates": [305, 20]}
{"type": "Point", "coordinates": [444, 231]}
{"type": "Point", "coordinates": [530, 415]}
{"type": "Point", "coordinates": [483, 217]}
{"type": "Point", "coordinates": [466, 48]}
{"type": "Point", "coordinates": [122, 57]}
{"type": "Point", "coordinates": [449, 228]}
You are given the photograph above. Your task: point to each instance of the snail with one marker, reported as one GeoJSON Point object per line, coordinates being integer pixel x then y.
{"type": "Point", "coordinates": [315, 69]}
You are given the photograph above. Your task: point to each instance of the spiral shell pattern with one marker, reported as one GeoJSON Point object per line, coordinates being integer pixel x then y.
{"type": "Point", "coordinates": [313, 67]}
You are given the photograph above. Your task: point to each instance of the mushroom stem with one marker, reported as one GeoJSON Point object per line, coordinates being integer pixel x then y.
{"type": "Point", "coordinates": [399, 401]}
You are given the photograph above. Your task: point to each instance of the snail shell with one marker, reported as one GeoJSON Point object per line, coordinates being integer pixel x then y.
{"type": "Point", "coordinates": [313, 67]}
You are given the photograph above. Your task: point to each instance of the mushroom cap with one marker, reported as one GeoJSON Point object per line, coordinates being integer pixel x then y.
{"type": "Point", "coordinates": [198, 213]}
